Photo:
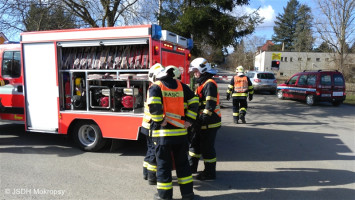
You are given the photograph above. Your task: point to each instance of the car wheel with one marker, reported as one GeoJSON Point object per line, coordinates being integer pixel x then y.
{"type": "Point", "coordinates": [273, 92]}
{"type": "Point", "coordinates": [280, 94]}
{"type": "Point", "coordinates": [88, 136]}
{"type": "Point", "coordinates": [310, 100]}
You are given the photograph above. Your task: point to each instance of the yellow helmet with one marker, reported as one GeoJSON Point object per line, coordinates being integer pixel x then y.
{"type": "Point", "coordinates": [240, 69]}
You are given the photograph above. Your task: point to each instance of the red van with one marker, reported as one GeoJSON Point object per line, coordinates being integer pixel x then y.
{"type": "Point", "coordinates": [314, 86]}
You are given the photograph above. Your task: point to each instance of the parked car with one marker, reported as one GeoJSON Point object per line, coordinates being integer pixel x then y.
{"type": "Point", "coordinates": [263, 81]}
{"type": "Point", "coordinates": [314, 86]}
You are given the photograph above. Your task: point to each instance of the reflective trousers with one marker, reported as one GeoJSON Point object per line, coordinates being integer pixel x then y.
{"type": "Point", "coordinates": [202, 144]}
{"type": "Point", "coordinates": [164, 167]}
{"type": "Point", "coordinates": [240, 106]}
{"type": "Point", "coordinates": [150, 164]}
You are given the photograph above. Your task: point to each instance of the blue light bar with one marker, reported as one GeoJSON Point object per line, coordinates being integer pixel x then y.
{"type": "Point", "coordinates": [156, 32]}
{"type": "Point", "coordinates": [190, 44]}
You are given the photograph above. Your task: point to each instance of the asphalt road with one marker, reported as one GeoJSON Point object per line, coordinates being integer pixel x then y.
{"type": "Point", "coordinates": [287, 150]}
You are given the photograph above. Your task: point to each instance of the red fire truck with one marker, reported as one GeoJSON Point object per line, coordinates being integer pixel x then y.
{"type": "Point", "coordinates": [92, 83]}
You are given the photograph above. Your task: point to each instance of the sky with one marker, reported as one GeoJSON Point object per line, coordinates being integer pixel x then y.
{"type": "Point", "coordinates": [269, 9]}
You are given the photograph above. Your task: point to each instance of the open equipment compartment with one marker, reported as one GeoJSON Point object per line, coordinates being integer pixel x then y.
{"type": "Point", "coordinates": [103, 78]}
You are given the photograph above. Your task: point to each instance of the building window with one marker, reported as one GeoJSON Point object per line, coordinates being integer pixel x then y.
{"type": "Point", "coordinates": [308, 59]}
{"type": "Point", "coordinates": [281, 73]}
{"type": "Point", "coordinates": [299, 59]}
{"type": "Point", "coordinates": [318, 59]}
{"type": "Point", "coordinates": [282, 59]}
{"type": "Point", "coordinates": [291, 59]}
{"type": "Point", "coordinates": [285, 59]}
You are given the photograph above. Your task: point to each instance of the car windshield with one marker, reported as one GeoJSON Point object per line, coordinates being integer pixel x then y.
{"type": "Point", "coordinates": [266, 76]}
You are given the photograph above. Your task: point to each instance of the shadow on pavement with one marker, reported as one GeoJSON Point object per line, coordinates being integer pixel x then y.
{"type": "Point", "coordinates": [255, 144]}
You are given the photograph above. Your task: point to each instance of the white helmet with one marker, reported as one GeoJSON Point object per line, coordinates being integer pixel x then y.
{"type": "Point", "coordinates": [176, 71]}
{"type": "Point", "coordinates": [154, 71]}
{"type": "Point", "coordinates": [202, 65]}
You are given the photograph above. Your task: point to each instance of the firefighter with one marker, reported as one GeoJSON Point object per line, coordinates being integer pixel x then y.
{"type": "Point", "coordinates": [149, 163]}
{"type": "Point", "coordinates": [240, 88]}
{"type": "Point", "coordinates": [170, 121]}
{"type": "Point", "coordinates": [203, 140]}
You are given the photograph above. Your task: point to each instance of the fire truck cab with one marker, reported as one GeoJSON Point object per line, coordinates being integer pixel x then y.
{"type": "Point", "coordinates": [11, 91]}
{"type": "Point", "coordinates": [92, 83]}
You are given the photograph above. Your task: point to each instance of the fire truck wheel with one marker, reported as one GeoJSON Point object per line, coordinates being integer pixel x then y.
{"type": "Point", "coordinates": [88, 136]}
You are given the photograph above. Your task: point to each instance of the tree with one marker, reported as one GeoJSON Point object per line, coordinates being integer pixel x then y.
{"type": "Point", "coordinates": [32, 15]}
{"type": "Point", "coordinates": [285, 25]}
{"type": "Point", "coordinates": [325, 48]}
{"type": "Point", "coordinates": [103, 13]}
{"type": "Point", "coordinates": [94, 13]}
{"type": "Point", "coordinates": [47, 17]}
{"type": "Point", "coordinates": [293, 29]}
{"type": "Point", "coordinates": [338, 27]}
{"type": "Point", "coordinates": [208, 22]}
{"type": "Point", "coordinates": [303, 39]}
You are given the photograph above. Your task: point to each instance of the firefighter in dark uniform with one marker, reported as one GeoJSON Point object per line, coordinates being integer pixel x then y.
{"type": "Point", "coordinates": [149, 163]}
{"type": "Point", "coordinates": [170, 121]}
{"type": "Point", "coordinates": [240, 88]}
{"type": "Point", "coordinates": [203, 140]}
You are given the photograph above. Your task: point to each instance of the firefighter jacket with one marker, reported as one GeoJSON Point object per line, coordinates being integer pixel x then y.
{"type": "Point", "coordinates": [240, 86]}
{"type": "Point", "coordinates": [171, 100]}
{"type": "Point", "coordinates": [146, 119]}
{"type": "Point", "coordinates": [209, 103]}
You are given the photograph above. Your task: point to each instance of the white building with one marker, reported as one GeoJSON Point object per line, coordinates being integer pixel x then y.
{"type": "Point", "coordinates": [293, 62]}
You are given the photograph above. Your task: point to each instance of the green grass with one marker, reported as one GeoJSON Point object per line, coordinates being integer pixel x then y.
{"type": "Point", "coordinates": [350, 98]}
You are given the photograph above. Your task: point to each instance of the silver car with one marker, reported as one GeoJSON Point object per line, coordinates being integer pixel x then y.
{"type": "Point", "coordinates": [263, 81]}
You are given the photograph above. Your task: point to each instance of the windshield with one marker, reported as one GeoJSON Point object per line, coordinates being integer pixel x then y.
{"type": "Point", "coordinates": [266, 76]}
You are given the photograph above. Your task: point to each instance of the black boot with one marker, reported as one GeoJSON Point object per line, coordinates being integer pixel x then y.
{"type": "Point", "coordinates": [152, 178]}
{"type": "Point", "coordinates": [209, 173]}
{"type": "Point", "coordinates": [193, 164]}
{"type": "Point", "coordinates": [236, 120]}
{"type": "Point", "coordinates": [242, 117]}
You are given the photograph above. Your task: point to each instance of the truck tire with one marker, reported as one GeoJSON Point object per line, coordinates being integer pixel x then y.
{"type": "Point", "coordinates": [310, 100]}
{"type": "Point", "coordinates": [88, 136]}
{"type": "Point", "coordinates": [280, 94]}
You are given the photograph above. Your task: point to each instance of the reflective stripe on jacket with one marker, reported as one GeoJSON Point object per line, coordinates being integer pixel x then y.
{"type": "Point", "coordinates": [199, 93]}
{"type": "Point", "coordinates": [209, 104]}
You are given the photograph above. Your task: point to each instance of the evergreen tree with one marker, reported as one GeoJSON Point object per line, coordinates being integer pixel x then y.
{"type": "Point", "coordinates": [208, 22]}
{"type": "Point", "coordinates": [285, 25]}
{"type": "Point", "coordinates": [324, 47]}
{"type": "Point", "coordinates": [303, 39]}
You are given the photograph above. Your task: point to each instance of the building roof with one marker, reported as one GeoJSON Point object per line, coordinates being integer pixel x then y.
{"type": "Point", "coordinates": [2, 38]}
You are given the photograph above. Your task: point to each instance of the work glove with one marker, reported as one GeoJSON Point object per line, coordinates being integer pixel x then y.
{"type": "Point", "coordinates": [250, 97]}
{"type": "Point", "coordinates": [204, 119]}
{"type": "Point", "coordinates": [228, 96]}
